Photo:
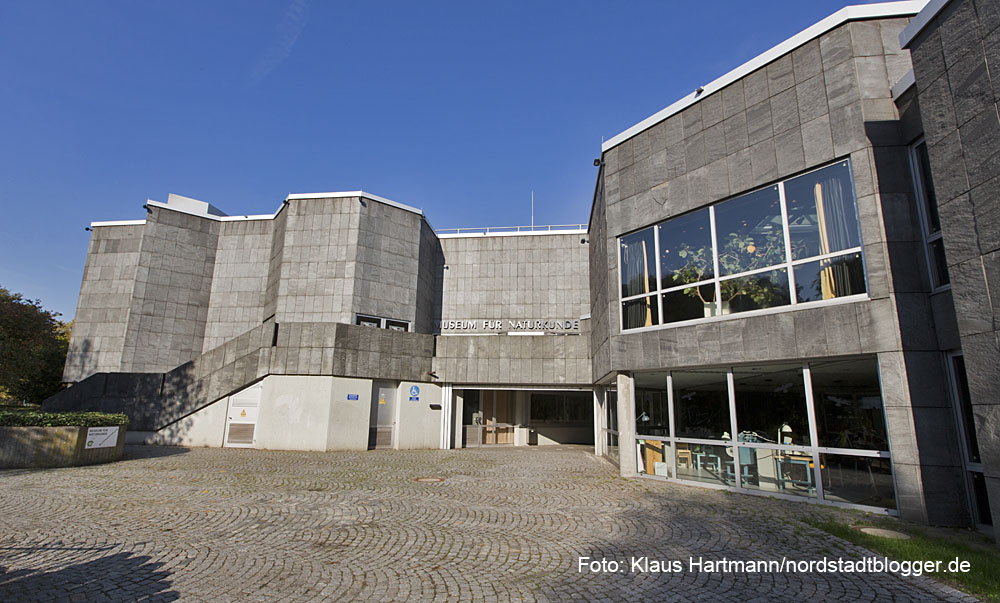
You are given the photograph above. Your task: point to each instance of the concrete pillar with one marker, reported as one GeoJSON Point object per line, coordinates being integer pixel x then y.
{"type": "Point", "coordinates": [599, 419]}
{"type": "Point", "coordinates": [626, 425]}
{"type": "Point", "coordinates": [447, 416]}
{"type": "Point", "coordinates": [458, 429]}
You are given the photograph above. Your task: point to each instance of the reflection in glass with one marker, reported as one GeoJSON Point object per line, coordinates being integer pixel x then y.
{"type": "Point", "coordinates": [927, 182]}
{"type": "Point", "coordinates": [638, 271]}
{"type": "Point", "coordinates": [848, 401]}
{"type": "Point", "coordinates": [821, 214]}
{"type": "Point", "coordinates": [654, 458]}
{"type": "Point", "coordinates": [833, 277]}
{"type": "Point", "coordinates": [704, 463]}
{"type": "Point", "coordinates": [642, 312]}
{"type": "Point", "coordinates": [858, 479]}
{"type": "Point", "coordinates": [749, 232]}
{"type": "Point", "coordinates": [771, 405]}
{"type": "Point", "coordinates": [701, 405]}
{"type": "Point", "coordinates": [782, 471]}
{"type": "Point", "coordinates": [686, 249]}
{"type": "Point", "coordinates": [611, 408]}
{"type": "Point", "coordinates": [651, 416]}
{"type": "Point", "coordinates": [689, 303]}
{"type": "Point", "coordinates": [754, 292]}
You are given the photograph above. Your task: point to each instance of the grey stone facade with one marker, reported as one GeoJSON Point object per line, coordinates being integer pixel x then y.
{"type": "Point", "coordinates": [956, 55]}
{"type": "Point", "coordinates": [827, 99]}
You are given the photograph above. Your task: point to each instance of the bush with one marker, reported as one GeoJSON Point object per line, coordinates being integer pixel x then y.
{"type": "Point", "coordinates": [34, 418]}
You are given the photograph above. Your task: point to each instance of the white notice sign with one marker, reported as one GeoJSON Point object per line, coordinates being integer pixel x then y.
{"type": "Point", "coordinates": [101, 437]}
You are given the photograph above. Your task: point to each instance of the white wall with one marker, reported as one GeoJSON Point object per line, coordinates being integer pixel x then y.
{"type": "Point", "coordinates": [204, 428]}
{"type": "Point", "coordinates": [294, 413]}
{"type": "Point", "coordinates": [349, 419]}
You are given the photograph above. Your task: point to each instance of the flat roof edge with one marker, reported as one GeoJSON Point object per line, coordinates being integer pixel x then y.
{"type": "Point", "coordinates": [919, 22]}
{"type": "Point", "coordinates": [844, 15]}
{"type": "Point", "coordinates": [117, 223]}
{"type": "Point", "coordinates": [341, 194]}
{"type": "Point", "coordinates": [904, 84]}
{"type": "Point", "coordinates": [479, 235]}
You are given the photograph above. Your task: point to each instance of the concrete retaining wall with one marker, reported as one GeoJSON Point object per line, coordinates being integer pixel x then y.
{"type": "Point", "coordinates": [39, 447]}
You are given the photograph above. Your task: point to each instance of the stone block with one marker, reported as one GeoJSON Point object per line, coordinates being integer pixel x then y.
{"type": "Point", "coordinates": [848, 129]}
{"type": "Point", "coordinates": [784, 110]}
{"type": "Point", "coordinates": [736, 132]}
{"type": "Point", "coordinates": [755, 87]}
{"type": "Point", "coordinates": [873, 80]}
{"type": "Point", "coordinates": [948, 168]}
{"type": "Point", "coordinates": [780, 75]}
{"type": "Point", "coordinates": [806, 61]}
{"type": "Point", "coordinates": [759, 125]}
{"type": "Point", "coordinates": [817, 140]}
{"type": "Point", "coordinates": [959, 30]}
{"type": "Point", "coordinates": [711, 110]}
{"type": "Point", "coordinates": [811, 98]}
{"type": "Point", "coordinates": [694, 151]}
{"type": "Point", "coordinates": [980, 139]}
{"type": "Point", "coordinates": [738, 168]}
{"type": "Point", "coordinates": [715, 142]}
{"type": "Point", "coordinates": [985, 199]}
{"type": "Point", "coordinates": [733, 102]}
{"type": "Point", "coordinates": [835, 47]}
{"type": "Point", "coordinates": [877, 326]}
{"type": "Point", "coordinates": [763, 162]}
{"type": "Point", "coordinates": [692, 120]}
{"type": "Point", "coordinates": [841, 83]}
{"type": "Point", "coordinates": [789, 153]}
{"type": "Point", "coordinates": [970, 293]}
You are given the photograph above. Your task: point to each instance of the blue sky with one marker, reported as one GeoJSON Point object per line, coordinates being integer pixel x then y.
{"type": "Point", "coordinates": [459, 108]}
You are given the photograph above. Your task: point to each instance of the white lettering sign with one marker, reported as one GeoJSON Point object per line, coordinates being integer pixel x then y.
{"type": "Point", "coordinates": [503, 325]}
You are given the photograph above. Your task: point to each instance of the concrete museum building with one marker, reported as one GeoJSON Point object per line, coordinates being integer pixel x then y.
{"type": "Point", "coordinates": [783, 289]}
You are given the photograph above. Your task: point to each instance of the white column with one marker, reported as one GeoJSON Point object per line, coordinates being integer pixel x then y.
{"type": "Point", "coordinates": [446, 407]}
{"type": "Point", "coordinates": [626, 425]}
{"type": "Point", "coordinates": [598, 420]}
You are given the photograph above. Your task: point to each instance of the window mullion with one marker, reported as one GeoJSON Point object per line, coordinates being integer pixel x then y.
{"type": "Point", "coordinates": [659, 279]}
{"type": "Point", "coordinates": [715, 262]}
{"type": "Point", "coordinates": [788, 244]}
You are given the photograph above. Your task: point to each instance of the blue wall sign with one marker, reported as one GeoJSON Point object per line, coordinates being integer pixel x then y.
{"type": "Point", "coordinates": [352, 396]}
{"type": "Point", "coordinates": [414, 394]}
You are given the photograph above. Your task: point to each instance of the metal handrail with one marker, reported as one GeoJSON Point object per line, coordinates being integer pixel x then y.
{"type": "Point", "coordinates": [489, 229]}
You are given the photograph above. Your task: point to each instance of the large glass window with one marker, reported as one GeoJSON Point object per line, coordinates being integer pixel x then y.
{"type": "Point", "coordinates": [794, 242]}
{"type": "Point", "coordinates": [812, 431]}
{"type": "Point", "coordinates": [848, 404]}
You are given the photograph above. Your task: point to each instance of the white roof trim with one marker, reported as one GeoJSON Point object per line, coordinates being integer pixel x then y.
{"type": "Point", "coordinates": [903, 85]}
{"type": "Point", "coordinates": [117, 223]}
{"type": "Point", "coordinates": [162, 205]}
{"type": "Point", "coordinates": [919, 22]}
{"type": "Point", "coordinates": [848, 13]}
{"type": "Point", "coordinates": [353, 194]}
{"type": "Point", "coordinates": [472, 235]}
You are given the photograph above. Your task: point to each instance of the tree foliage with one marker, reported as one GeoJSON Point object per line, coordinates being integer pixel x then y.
{"type": "Point", "coordinates": [33, 344]}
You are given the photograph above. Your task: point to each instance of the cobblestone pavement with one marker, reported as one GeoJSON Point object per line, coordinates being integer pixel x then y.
{"type": "Point", "coordinates": [504, 525]}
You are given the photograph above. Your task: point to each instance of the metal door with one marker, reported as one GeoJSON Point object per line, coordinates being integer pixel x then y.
{"type": "Point", "coordinates": [383, 415]}
{"type": "Point", "coordinates": [241, 420]}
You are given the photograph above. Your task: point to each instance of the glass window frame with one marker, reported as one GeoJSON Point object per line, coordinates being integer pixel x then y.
{"type": "Point", "coordinates": [812, 450]}
{"type": "Point", "coordinates": [927, 233]}
{"type": "Point", "coordinates": [971, 467]}
{"type": "Point", "coordinates": [383, 323]}
{"type": "Point", "coordinates": [788, 265]}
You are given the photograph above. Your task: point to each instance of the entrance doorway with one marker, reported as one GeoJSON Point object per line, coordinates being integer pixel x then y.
{"type": "Point", "coordinates": [488, 418]}
{"type": "Point", "coordinates": [383, 416]}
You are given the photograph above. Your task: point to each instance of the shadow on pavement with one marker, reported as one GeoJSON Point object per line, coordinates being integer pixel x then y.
{"type": "Point", "coordinates": [121, 576]}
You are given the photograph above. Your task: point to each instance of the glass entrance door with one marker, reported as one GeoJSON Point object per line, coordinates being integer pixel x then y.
{"type": "Point", "coordinates": [488, 418]}
{"type": "Point", "coordinates": [383, 419]}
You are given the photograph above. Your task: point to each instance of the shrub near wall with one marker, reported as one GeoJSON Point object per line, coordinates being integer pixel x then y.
{"type": "Point", "coordinates": [34, 439]}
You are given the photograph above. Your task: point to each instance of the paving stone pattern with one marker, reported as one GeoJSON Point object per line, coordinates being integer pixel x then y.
{"type": "Point", "coordinates": [504, 525]}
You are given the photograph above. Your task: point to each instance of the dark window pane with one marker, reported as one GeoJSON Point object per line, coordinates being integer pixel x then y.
{"type": "Point", "coordinates": [784, 471]}
{"type": "Point", "coordinates": [749, 232]}
{"type": "Point", "coordinates": [367, 321]}
{"type": "Point", "coordinates": [822, 218]}
{"type": "Point", "coordinates": [834, 277]}
{"type": "Point", "coordinates": [397, 325]}
{"type": "Point", "coordinates": [858, 479]}
{"type": "Point", "coordinates": [641, 312]}
{"type": "Point", "coordinates": [927, 184]}
{"type": "Point", "coordinates": [965, 407]}
{"type": "Point", "coordinates": [938, 263]}
{"type": "Point", "coordinates": [701, 463]}
{"type": "Point", "coordinates": [754, 292]}
{"type": "Point", "coordinates": [701, 405]}
{"type": "Point", "coordinates": [686, 249]}
{"type": "Point", "coordinates": [690, 303]}
{"type": "Point", "coordinates": [611, 407]}
{"type": "Point", "coordinates": [651, 416]}
{"type": "Point", "coordinates": [771, 405]}
{"type": "Point", "coordinates": [982, 498]}
{"type": "Point", "coordinates": [848, 400]}
{"type": "Point", "coordinates": [638, 257]}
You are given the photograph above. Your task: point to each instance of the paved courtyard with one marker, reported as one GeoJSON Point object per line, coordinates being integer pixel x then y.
{"type": "Point", "coordinates": [504, 525]}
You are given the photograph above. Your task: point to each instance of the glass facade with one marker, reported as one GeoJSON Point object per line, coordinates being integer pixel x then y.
{"type": "Point", "coordinates": [794, 242]}
{"type": "Point", "coordinates": [813, 430]}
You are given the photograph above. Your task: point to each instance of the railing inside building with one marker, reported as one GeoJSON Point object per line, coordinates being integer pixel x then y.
{"type": "Point", "coordinates": [508, 229]}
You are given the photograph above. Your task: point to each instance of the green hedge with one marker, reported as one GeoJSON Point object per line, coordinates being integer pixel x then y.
{"type": "Point", "coordinates": [35, 418]}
